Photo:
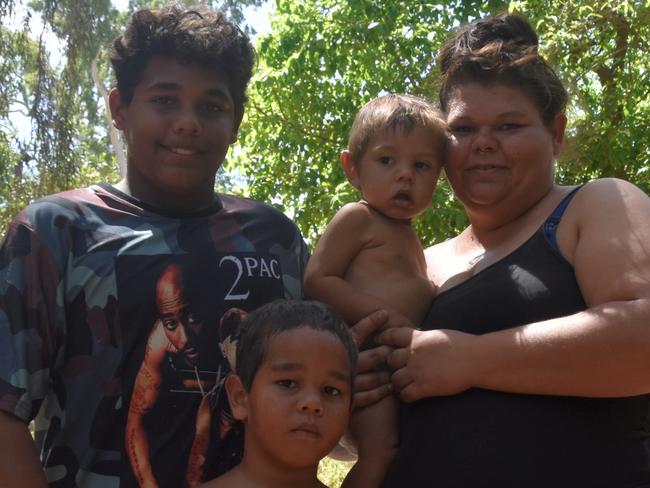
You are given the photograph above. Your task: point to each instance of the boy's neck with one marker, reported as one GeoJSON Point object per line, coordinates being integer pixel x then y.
{"type": "Point", "coordinates": [261, 472]}
{"type": "Point", "coordinates": [169, 203]}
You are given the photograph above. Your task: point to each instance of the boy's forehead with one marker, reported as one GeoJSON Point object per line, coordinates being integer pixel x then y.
{"type": "Point", "coordinates": [164, 72]}
{"type": "Point", "coordinates": [296, 348]}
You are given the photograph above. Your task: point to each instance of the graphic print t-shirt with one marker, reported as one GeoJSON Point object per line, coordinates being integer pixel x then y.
{"type": "Point", "coordinates": [116, 324]}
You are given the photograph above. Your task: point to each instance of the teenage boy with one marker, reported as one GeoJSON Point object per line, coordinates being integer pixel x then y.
{"type": "Point", "coordinates": [369, 257]}
{"type": "Point", "coordinates": [293, 392]}
{"type": "Point", "coordinates": [111, 296]}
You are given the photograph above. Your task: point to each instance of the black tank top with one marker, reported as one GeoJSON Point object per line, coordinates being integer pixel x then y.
{"type": "Point", "coordinates": [483, 438]}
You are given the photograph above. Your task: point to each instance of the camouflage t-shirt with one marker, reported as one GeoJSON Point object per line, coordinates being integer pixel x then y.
{"type": "Point", "coordinates": [117, 326]}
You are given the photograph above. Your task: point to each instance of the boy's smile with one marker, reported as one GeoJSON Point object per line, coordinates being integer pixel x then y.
{"type": "Point", "coordinates": [177, 129]}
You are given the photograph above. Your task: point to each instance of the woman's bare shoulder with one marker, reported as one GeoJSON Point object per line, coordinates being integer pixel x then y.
{"type": "Point", "coordinates": [440, 249]}
{"type": "Point", "coordinates": [441, 260]}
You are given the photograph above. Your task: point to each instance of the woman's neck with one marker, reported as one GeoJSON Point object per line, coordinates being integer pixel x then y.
{"type": "Point", "coordinates": [493, 224]}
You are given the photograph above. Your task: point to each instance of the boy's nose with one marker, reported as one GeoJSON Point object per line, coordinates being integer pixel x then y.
{"type": "Point", "coordinates": [187, 124]}
{"type": "Point", "coordinates": [310, 402]}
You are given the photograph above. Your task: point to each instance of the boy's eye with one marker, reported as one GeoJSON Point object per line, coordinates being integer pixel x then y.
{"type": "Point", "coordinates": [163, 100]}
{"type": "Point", "coordinates": [421, 165]}
{"type": "Point", "coordinates": [289, 384]}
{"type": "Point", "coordinates": [332, 391]}
{"type": "Point", "coordinates": [213, 108]}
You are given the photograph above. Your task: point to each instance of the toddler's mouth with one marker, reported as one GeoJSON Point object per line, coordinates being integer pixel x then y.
{"type": "Point", "coordinates": [402, 197]}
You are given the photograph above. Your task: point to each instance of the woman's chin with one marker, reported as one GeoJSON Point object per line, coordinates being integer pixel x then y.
{"type": "Point", "coordinates": [482, 197]}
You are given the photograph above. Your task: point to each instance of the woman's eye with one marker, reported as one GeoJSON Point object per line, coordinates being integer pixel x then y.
{"type": "Point", "coordinates": [507, 127]}
{"type": "Point", "coordinates": [332, 391]}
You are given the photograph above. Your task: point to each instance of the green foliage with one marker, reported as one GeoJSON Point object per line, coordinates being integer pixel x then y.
{"type": "Point", "coordinates": [326, 58]}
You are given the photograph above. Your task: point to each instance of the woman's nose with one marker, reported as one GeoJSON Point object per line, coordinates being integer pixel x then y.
{"type": "Point", "coordinates": [485, 140]}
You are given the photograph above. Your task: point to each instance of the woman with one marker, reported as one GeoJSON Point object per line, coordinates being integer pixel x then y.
{"type": "Point", "coordinates": [532, 367]}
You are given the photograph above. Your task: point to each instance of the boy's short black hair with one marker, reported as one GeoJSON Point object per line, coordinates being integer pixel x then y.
{"type": "Point", "coordinates": [259, 326]}
{"type": "Point", "coordinates": [198, 36]}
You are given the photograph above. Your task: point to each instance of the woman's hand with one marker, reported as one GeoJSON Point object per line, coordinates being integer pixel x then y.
{"type": "Point", "coordinates": [370, 386]}
{"type": "Point", "coordinates": [430, 363]}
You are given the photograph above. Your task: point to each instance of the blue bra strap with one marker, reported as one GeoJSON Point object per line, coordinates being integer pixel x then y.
{"type": "Point", "coordinates": [550, 226]}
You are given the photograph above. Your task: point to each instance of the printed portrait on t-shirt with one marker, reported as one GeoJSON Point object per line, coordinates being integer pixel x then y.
{"type": "Point", "coordinates": [176, 410]}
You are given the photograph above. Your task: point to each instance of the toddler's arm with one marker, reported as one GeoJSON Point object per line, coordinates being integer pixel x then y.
{"type": "Point", "coordinates": [344, 238]}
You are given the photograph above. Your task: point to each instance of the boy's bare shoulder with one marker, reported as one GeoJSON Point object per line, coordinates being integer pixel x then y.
{"type": "Point", "coordinates": [230, 479]}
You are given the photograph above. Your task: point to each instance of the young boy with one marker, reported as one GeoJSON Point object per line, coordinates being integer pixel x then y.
{"type": "Point", "coordinates": [111, 297]}
{"type": "Point", "coordinates": [293, 389]}
{"type": "Point", "coordinates": [369, 256]}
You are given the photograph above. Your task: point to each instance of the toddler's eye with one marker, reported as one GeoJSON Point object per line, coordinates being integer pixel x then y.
{"type": "Point", "coordinates": [332, 391]}
{"type": "Point", "coordinates": [384, 159]}
{"type": "Point", "coordinates": [421, 165]}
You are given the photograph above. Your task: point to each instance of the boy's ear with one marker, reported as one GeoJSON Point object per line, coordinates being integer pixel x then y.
{"type": "Point", "coordinates": [117, 108]}
{"type": "Point", "coordinates": [237, 397]}
{"type": "Point", "coordinates": [350, 168]}
{"type": "Point", "coordinates": [235, 129]}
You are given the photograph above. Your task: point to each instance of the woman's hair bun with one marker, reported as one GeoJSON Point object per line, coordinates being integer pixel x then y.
{"type": "Point", "coordinates": [509, 34]}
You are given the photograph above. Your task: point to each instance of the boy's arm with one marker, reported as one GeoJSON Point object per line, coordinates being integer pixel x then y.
{"type": "Point", "coordinates": [19, 464]}
{"type": "Point", "coordinates": [344, 238]}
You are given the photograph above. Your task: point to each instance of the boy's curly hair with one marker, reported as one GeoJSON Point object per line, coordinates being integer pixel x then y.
{"type": "Point", "coordinates": [198, 36]}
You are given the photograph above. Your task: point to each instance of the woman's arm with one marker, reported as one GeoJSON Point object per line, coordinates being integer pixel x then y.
{"type": "Point", "coordinates": [603, 351]}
